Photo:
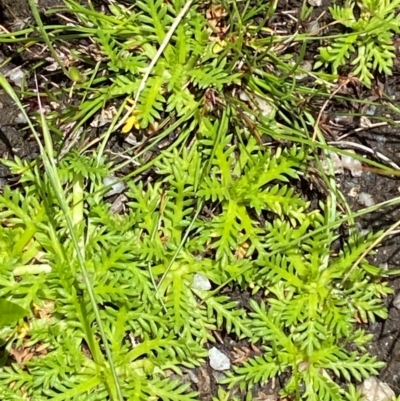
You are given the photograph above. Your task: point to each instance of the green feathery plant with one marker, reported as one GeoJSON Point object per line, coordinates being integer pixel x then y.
{"type": "Point", "coordinates": [123, 45]}
{"type": "Point", "coordinates": [306, 320]}
{"type": "Point", "coordinates": [154, 320]}
{"type": "Point", "coordinates": [369, 44]}
{"type": "Point", "coordinates": [106, 302]}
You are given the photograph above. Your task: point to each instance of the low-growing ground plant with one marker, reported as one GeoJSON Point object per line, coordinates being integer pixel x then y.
{"type": "Point", "coordinates": [107, 302]}
{"type": "Point", "coordinates": [368, 46]}
{"type": "Point", "coordinates": [142, 263]}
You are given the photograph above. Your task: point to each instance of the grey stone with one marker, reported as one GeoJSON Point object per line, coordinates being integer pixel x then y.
{"type": "Point", "coordinates": [116, 185]}
{"type": "Point", "coordinates": [218, 360]}
{"type": "Point", "coordinates": [375, 390]}
{"type": "Point", "coordinates": [201, 282]}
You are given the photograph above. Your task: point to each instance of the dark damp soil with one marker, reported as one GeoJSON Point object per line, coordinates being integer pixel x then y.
{"type": "Point", "coordinates": [15, 140]}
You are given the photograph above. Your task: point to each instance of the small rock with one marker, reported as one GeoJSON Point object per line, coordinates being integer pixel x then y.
{"type": "Point", "coordinates": [344, 120]}
{"type": "Point", "coordinates": [201, 282]}
{"type": "Point", "coordinates": [353, 165]}
{"type": "Point", "coordinates": [312, 27]}
{"type": "Point", "coordinates": [16, 76]}
{"type": "Point", "coordinates": [374, 390]}
{"type": "Point", "coordinates": [116, 185]}
{"type": "Point", "coordinates": [20, 119]}
{"type": "Point", "coordinates": [336, 164]}
{"type": "Point", "coordinates": [218, 360]}
{"type": "Point", "coordinates": [396, 301]}
{"type": "Point", "coordinates": [315, 3]}
{"type": "Point", "coordinates": [370, 111]}
{"type": "Point", "coordinates": [306, 66]}
{"type": "Point", "coordinates": [366, 199]}
{"type": "Point", "coordinates": [243, 96]}
{"type": "Point", "coordinates": [265, 108]}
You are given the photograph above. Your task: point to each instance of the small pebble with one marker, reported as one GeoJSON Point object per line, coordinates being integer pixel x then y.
{"type": "Point", "coordinates": [344, 120]}
{"type": "Point", "coordinates": [20, 119]}
{"type": "Point", "coordinates": [305, 66]}
{"type": "Point", "coordinates": [366, 199]}
{"type": "Point", "coordinates": [218, 360]}
{"type": "Point", "coordinates": [375, 390]}
{"type": "Point", "coordinates": [16, 76]}
{"type": "Point", "coordinates": [201, 282]}
{"type": "Point", "coordinates": [312, 27]}
{"type": "Point", "coordinates": [370, 110]}
{"type": "Point", "coordinates": [116, 186]}
{"type": "Point", "coordinates": [336, 164]}
{"type": "Point", "coordinates": [353, 165]}
{"type": "Point", "coordinates": [243, 96]}
{"type": "Point", "coordinates": [265, 108]}
{"type": "Point", "coordinates": [396, 301]}
{"type": "Point", "coordinates": [315, 3]}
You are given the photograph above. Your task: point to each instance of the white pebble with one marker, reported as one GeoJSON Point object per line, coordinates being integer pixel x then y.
{"type": "Point", "coordinates": [218, 360]}
{"type": "Point", "coordinates": [366, 199]}
{"type": "Point", "coordinates": [201, 282]}
{"type": "Point", "coordinates": [336, 163]}
{"type": "Point", "coordinates": [243, 96]}
{"type": "Point", "coordinates": [263, 105]}
{"type": "Point", "coordinates": [374, 390]}
{"type": "Point", "coordinates": [116, 185]}
{"type": "Point", "coordinates": [315, 3]}
{"type": "Point", "coordinates": [396, 301]}
{"type": "Point", "coordinates": [16, 76]}
{"type": "Point", "coordinates": [353, 165]}
{"type": "Point", "coordinates": [20, 119]}
{"type": "Point", "coordinates": [343, 120]}
{"type": "Point", "coordinates": [370, 111]}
